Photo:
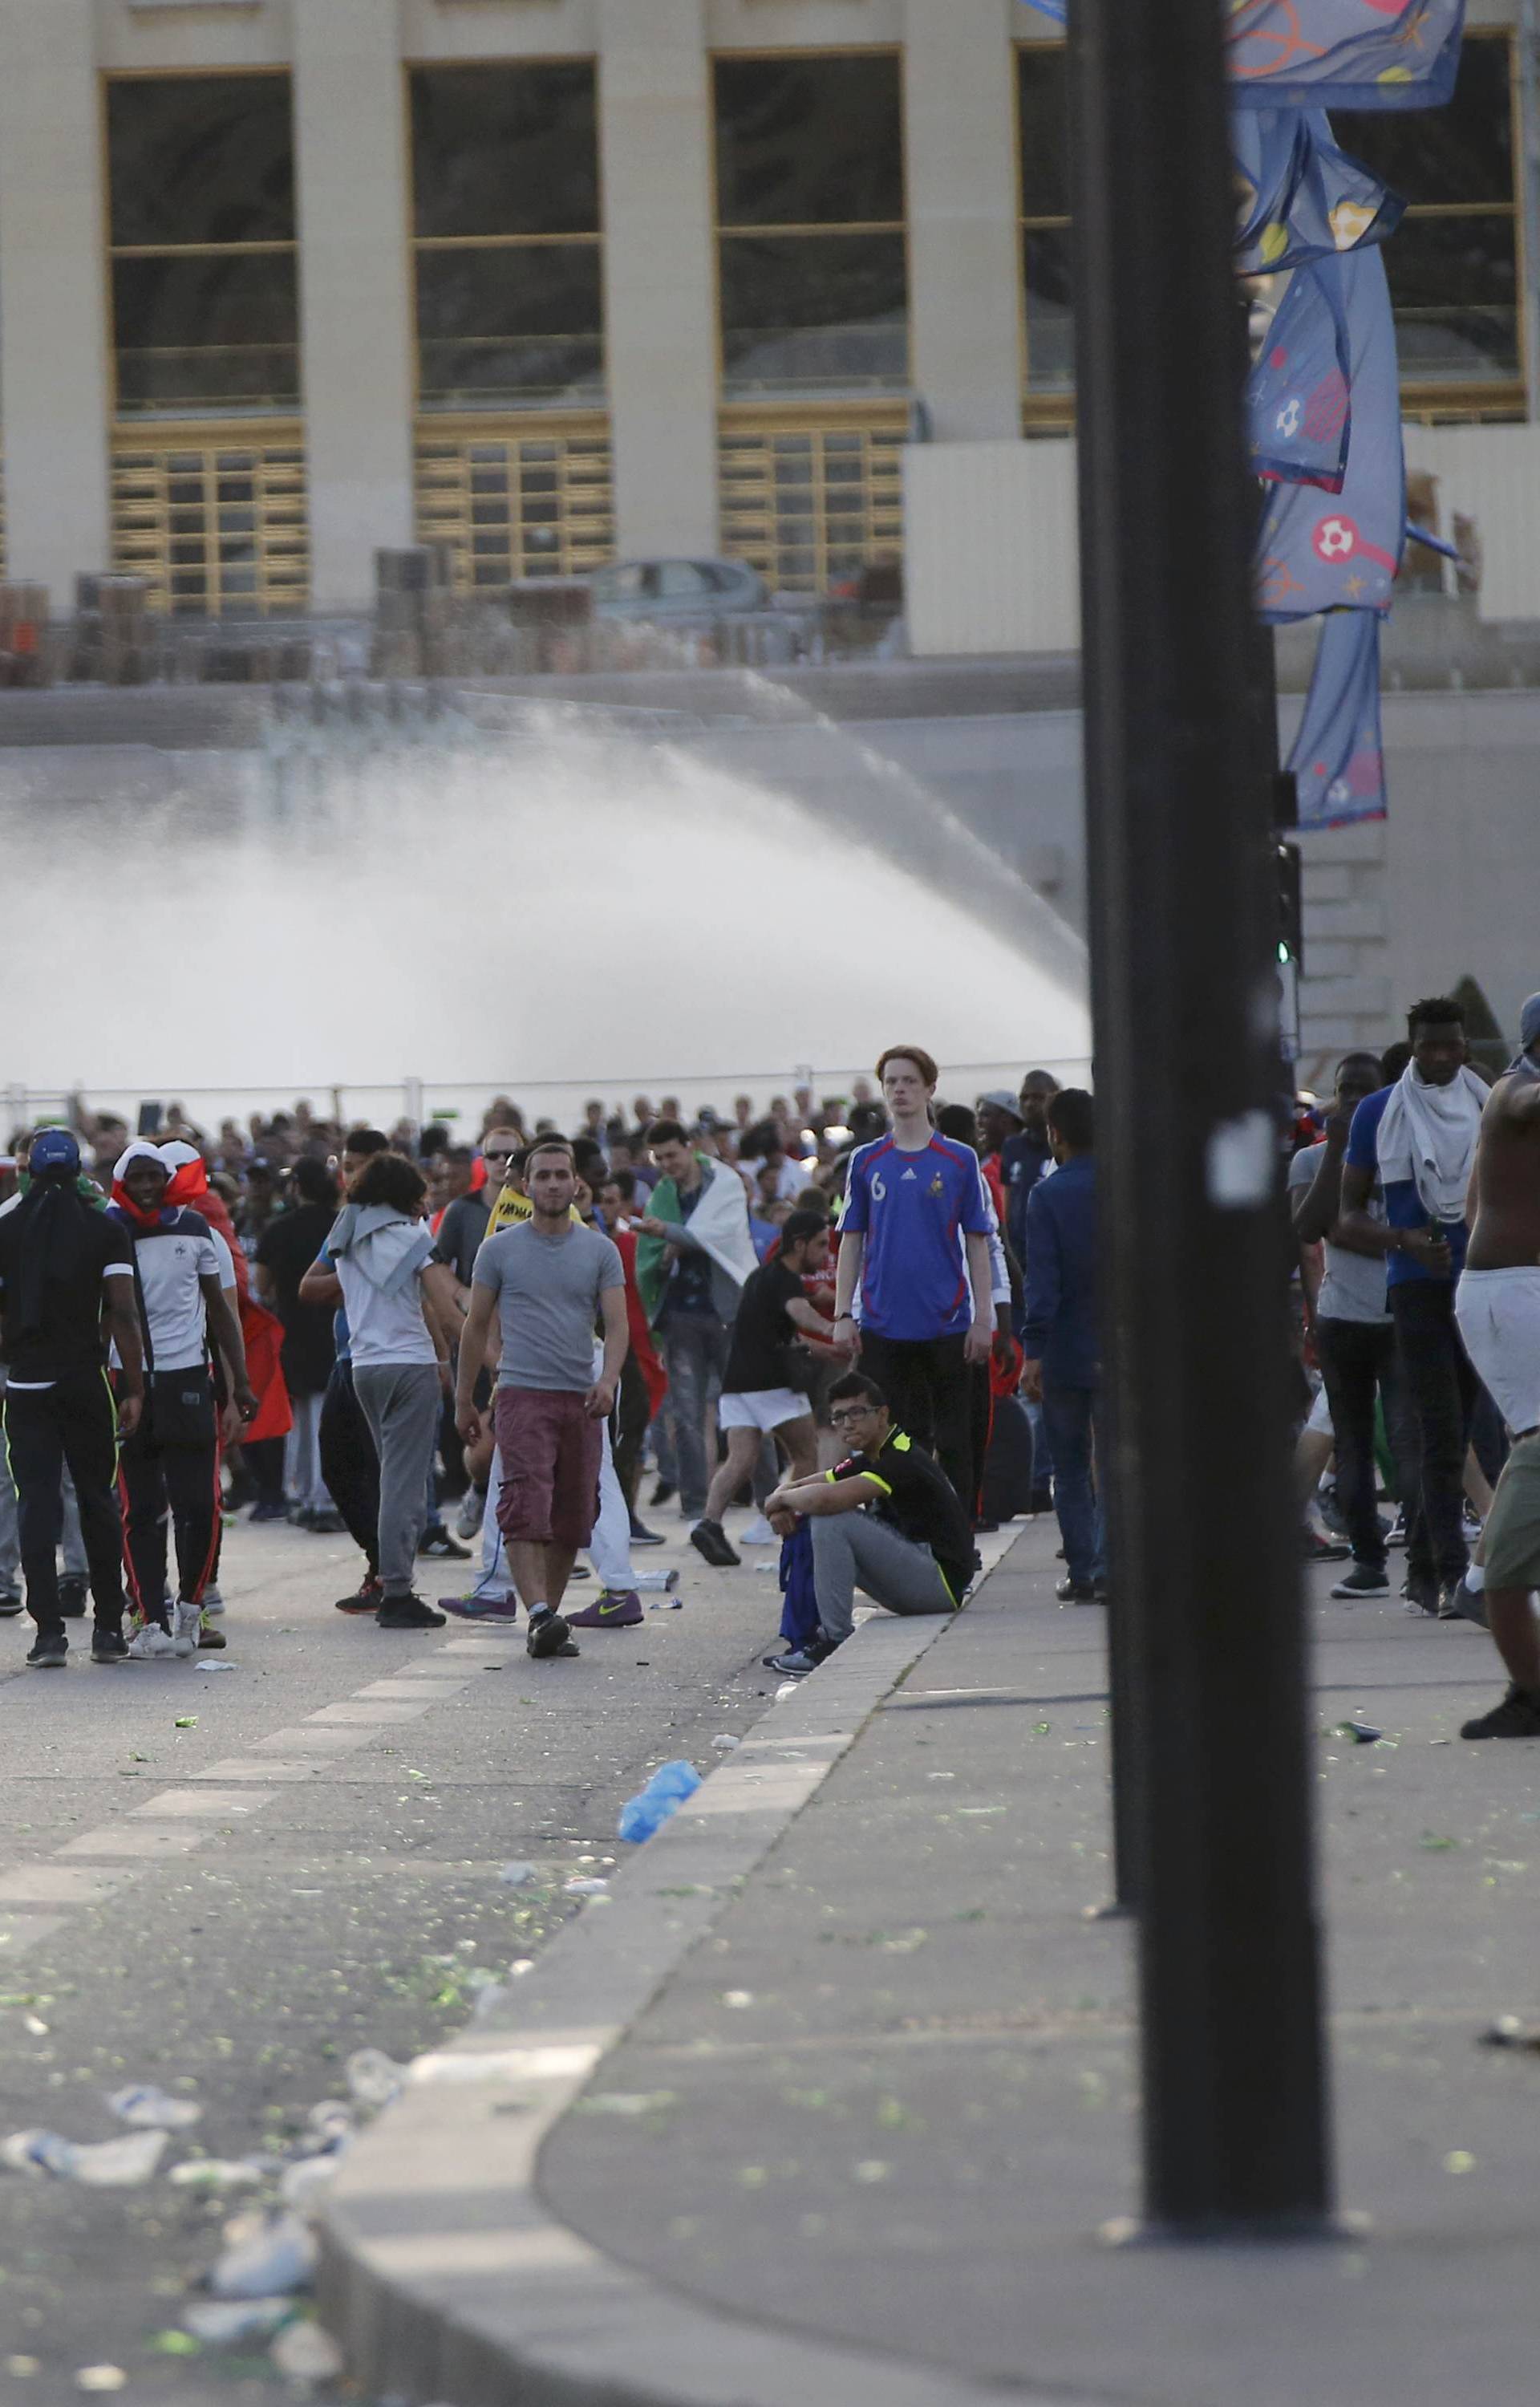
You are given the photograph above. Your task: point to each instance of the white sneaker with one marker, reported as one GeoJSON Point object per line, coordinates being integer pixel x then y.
{"type": "Point", "coordinates": [186, 1622]}
{"type": "Point", "coordinates": [473, 1507]}
{"type": "Point", "coordinates": [213, 1600]}
{"type": "Point", "coordinates": [149, 1645]}
{"type": "Point", "coordinates": [759, 1533]}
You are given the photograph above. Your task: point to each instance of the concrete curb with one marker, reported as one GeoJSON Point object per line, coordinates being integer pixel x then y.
{"type": "Point", "coordinates": [443, 2274]}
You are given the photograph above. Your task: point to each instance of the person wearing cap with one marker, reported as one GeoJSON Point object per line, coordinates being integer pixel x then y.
{"type": "Point", "coordinates": [1497, 1306]}
{"type": "Point", "coordinates": [64, 1270]}
{"type": "Point", "coordinates": [169, 1468]}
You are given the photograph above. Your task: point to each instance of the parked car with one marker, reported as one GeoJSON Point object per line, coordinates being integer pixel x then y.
{"type": "Point", "coordinates": [676, 588]}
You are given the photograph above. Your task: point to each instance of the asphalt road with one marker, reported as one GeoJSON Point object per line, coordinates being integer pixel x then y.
{"type": "Point", "coordinates": [225, 1881]}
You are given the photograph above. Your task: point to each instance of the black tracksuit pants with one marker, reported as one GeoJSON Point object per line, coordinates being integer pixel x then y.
{"type": "Point", "coordinates": [72, 1422]}
{"type": "Point", "coordinates": [168, 1478]}
{"type": "Point", "coordinates": [350, 1464]}
{"type": "Point", "coordinates": [929, 1389]}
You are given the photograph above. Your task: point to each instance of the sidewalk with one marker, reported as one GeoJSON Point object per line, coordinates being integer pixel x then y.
{"type": "Point", "coordinates": [860, 2140]}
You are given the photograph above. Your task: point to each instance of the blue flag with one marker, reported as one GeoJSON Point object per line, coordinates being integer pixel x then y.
{"type": "Point", "coordinates": [1298, 403]}
{"type": "Point", "coordinates": [1304, 198]}
{"type": "Point", "coordinates": [1316, 555]}
{"type": "Point", "coordinates": [1346, 53]}
{"type": "Point", "coordinates": [1338, 758]}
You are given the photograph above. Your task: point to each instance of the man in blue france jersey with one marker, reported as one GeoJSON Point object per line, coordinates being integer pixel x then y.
{"type": "Point", "coordinates": [1419, 1139]}
{"type": "Point", "coordinates": [926, 1310]}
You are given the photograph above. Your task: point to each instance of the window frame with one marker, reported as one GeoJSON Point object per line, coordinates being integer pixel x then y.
{"type": "Point", "coordinates": [238, 408]}
{"type": "Point", "coordinates": [566, 401]}
{"type": "Point", "coordinates": [858, 394]}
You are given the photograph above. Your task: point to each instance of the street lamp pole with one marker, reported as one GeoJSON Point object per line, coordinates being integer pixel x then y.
{"type": "Point", "coordinates": [1185, 998]}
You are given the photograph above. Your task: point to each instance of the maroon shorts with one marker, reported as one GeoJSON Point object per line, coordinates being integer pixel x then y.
{"type": "Point", "coordinates": [551, 1452]}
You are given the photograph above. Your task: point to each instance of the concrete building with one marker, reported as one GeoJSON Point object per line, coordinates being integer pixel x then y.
{"type": "Point", "coordinates": [557, 282]}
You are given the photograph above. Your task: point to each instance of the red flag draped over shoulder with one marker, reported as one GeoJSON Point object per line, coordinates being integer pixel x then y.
{"type": "Point", "coordinates": [261, 1331]}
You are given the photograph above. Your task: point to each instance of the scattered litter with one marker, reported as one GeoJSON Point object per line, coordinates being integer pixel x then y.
{"type": "Point", "coordinates": [517, 1875]}
{"type": "Point", "coordinates": [217, 2172]}
{"type": "Point", "coordinates": [222, 2323]}
{"type": "Point", "coordinates": [663, 1795]}
{"type": "Point", "coordinates": [327, 2126]}
{"type": "Point", "coordinates": [173, 2343]}
{"type": "Point", "coordinates": [375, 2078]}
{"type": "Point", "coordinates": [307, 2354]}
{"type": "Point", "coordinates": [1460, 2160]}
{"type": "Point", "coordinates": [630, 2101]}
{"type": "Point", "coordinates": [871, 2168]}
{"type": "Point", "coordinates": [111, 2164]}
{"type": "Point", "coordinates": [211, 1666]}
{"type": "Point", "coordinates": [1508, 2031]}
{"type": "Point", "coordinates": [787, 1688]}
{"type": "Point", "coordinates": [1434, 1845]}
{"type": "Point", "coordinates": [185, 1721]}
{"type": "Point", "coordinates": [304, 2181]}
{"type": "Point", "coordinates": [101, 2377]}
{"type": "Point", "coordinates": [1361, 1731]}
{"type": "Point", "coordinates": [738, 1998]}
{"type": "Point", "coordinates": [767, 1567]}
{"type": "Point", "coordinates": [20, 2367]}
{"type": "Point", "coordinates": [962, 1810]}
{"type": "Point", "coordinates": [725, 1743]}
{"type": "Point", "coordinates": [584, 1888]}
{"type": "Point", "coordinates": [941, 1776]}
{"type": "Point", "coordinates": [151, 2109]}
{"type": "Point", "coordinates": [279, 2255]}
{"type": "Point", "coordinates": [490, 2002]}
{"type": "Point", "coordinates": [35, 2025]}
{"type": "Point", "coordinates": [667, 1604]}
{"type": "Point", "coordinates": [523, 1964]}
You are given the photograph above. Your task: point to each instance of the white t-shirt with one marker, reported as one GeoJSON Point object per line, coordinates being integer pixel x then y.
{"type": "Point", "coordinates": [383, 1327]}
{"type": "Point", "coordinates": [1353, 1288]}
{"type": "Point", "coordinates": [172, 1260]}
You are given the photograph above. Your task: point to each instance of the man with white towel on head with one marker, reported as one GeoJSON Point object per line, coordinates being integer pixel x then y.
{"type": "Point", "coordinates": [1419, 1138]}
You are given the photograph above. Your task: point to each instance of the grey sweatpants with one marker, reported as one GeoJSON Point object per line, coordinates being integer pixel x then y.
{"type": "Point", "coordinates": [853, 1550]}
{"type": "Point", "coordinates": [399, 1401]}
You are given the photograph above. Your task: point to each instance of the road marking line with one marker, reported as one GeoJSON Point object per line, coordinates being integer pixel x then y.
{"type": "Point", "coordinates": [189, 1803]}
{"type": "Point", "coordinates": [240, 1767]}
{"type": "Point", "coordinates": [17, 1937]}
{"type": "Point", "coordinates": [343, 1716]}
{"type": "Point", "coordinates": [336, 1741]}
{"type": "Point", "coordinates": [414, 1691]}
{"type": "Point", "coordinates": [116, 1839]}
{"type": "Point", "coordinates": [50, 1884]}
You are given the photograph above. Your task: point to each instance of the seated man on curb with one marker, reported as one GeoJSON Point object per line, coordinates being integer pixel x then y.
{"type": "Point", "coordinates": [886, 1520]}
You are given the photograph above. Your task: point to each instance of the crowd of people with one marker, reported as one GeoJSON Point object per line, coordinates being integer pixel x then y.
{"type": "Point", "coordinates": [871, 1322]}
{"type": "Point", "coordinates": [357, 1329]}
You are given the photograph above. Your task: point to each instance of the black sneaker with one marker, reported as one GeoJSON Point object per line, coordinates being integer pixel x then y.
{"type": "Point", "coordinates": [1317, 1549]}
{"type": "Point", "coordinates": [1364, 1579]}
{"type": "Point", "coordinates": [364, 1598]}
{"type": "Point", "coordinates": [439, 1548]}
{"type": "Point", "coordinates": [1420, 1591]}
{"type": "Point", "coordinates": [211, 1641]}
{"type": "Point", "coordinates": [49, 1651]}
{"type": "Point", "coordinates": [1517, 1717]}
{"type": "Point", "coordinates": [710, 1539]}
{"type": "Point", "coordinates": [661, 1494]}
{"type": "Point", "coordinates": [10, 1603]}
{"type": "Point", "coordinates": [107, 1646]}
{"type": "Point", "coordinates": [549, 1635]}
{"type": "Point", "coordinates": [409, 1612]}
{"type": "Point", "coordinates": [1074, 1591]}
{"type": "Point", "coordinates": [1458, 1603]}
{"type": "Point", "coordinates": [72, 1599]}
{"type": "Point", "coordinates": [643, 1536]}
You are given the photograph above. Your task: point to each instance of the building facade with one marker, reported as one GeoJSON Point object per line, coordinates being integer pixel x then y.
{"type": "Point", "coordinates": [556, 281]}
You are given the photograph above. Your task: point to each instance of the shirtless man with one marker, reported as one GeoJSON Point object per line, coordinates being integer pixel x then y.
{"type": "Point", "coordinates": [1498, 1308]}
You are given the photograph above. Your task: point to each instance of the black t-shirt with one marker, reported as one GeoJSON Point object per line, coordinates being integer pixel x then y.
{"type": "Point", "coordinates": [762, 1332]}
{"type": "Point", "coordinates": [70, 1337]}
{"type": "Point", "coordinates": [290, 1244]}
{"type": "Point", "coordinates": [461, 1231]}
{"type": "Point", "coordinates": [919, 1501]}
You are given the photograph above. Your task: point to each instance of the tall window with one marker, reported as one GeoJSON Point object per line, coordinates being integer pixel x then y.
{"type": "Point", "coordinates": [1042, 110]}
{"type": "Point", "coordinates": [507, 235]}
{"type": "Point", "coordinates": [810, 204]}
{"type": "Point", "coordinates": [1453, 263]}
{"type": "Point", "coordinates": [201, 191]}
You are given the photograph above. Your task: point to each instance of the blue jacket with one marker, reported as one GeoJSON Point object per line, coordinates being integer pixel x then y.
{"type": "Point", "coordinates": [1060, 1330]}
{"type": "Point", "coordinates": [1023, 1160]}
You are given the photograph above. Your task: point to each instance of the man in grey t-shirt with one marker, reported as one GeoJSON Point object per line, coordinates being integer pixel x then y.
{"type": "Point", "coordinates": [1355, 1336]}
{"type": "Point", "coordinates": [551, 1281]}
